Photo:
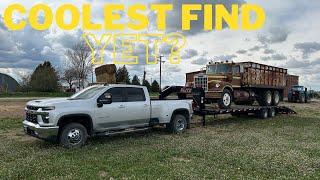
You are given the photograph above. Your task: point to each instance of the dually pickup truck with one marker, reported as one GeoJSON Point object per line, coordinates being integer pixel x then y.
{"type": "Point", "coordinates": [103, 110]}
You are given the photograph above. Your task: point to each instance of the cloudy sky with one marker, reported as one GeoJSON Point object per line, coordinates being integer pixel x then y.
{"type": "Point", "coordinates": [290, 38]}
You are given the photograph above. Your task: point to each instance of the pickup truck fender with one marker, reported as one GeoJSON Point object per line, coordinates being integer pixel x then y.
{"type": "Point", "coordinates": [185, 112]}
{"type": "Point", "coordinates": [82, 118]}
{"type": "Point", "coordinates": [182, 111]}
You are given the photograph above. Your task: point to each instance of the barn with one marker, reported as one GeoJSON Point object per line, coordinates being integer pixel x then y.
{"type": "Point", "coordinates": [7, 83]}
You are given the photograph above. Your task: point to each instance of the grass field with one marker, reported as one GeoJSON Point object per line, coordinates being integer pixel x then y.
{"type": "Point", "coordinates": [35, 94]}
{"type": "Point", "coordinates": [285, 147]}
{"type": "Point", "coordinates": [45, 94]}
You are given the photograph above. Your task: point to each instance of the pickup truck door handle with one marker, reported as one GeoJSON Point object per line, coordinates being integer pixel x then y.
{"type": "Point", "coordinates": [122, 106]}
{"type": "Point", "coordinates": [146, 105]}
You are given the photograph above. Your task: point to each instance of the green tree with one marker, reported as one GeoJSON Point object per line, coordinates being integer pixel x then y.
{"type": "Point", "coordinates": [135, 80]}
{"type": "Point", "coordinates": [122, 75]}
{"type": "Point", "coordinates": [147, 84]}
{"type": "Point", "coordinates": [44, 78]}
{"type": "Point", "coordinates": [155, 86]}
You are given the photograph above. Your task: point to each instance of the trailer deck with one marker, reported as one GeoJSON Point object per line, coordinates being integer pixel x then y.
{"type": "Point", "coordinates": [201, 109]}
{"type": "Point", "coordinates": [262, 112]}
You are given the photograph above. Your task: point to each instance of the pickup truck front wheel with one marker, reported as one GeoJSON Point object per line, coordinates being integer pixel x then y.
{"type": "Point", "coordinates": [178, 124]}
{"type": "Point", "coordinates": [73, 136]}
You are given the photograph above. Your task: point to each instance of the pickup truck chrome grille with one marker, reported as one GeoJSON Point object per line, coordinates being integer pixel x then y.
{"type": "Point", "coordinates": [31, 118]}
{"type": "Point", "coordinates": [201, 82]}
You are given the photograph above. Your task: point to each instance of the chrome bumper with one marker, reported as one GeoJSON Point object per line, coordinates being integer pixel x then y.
{"type": "Point", "coordinates": [46, 133]}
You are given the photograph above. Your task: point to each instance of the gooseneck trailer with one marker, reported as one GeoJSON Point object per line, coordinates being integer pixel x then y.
{"type": "Point", "coordinates": [262, 112]}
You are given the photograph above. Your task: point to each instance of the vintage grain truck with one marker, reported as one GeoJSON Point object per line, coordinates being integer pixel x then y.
{"type": "Point", "coordinates": [242, 83]}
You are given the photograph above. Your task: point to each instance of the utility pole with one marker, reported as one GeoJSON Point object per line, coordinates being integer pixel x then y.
{"type": "Point", "coordinates": [93, 68]}
{"type": "Point", "coordinates": [144, 75]}
{"type": "Point", "coordinates": [160, 60]}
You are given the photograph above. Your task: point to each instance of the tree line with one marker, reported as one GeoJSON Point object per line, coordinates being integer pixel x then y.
{"type": "Point", "coordinates": [75, 71]}
{"type": "Point", "coordinates": [123, 76]}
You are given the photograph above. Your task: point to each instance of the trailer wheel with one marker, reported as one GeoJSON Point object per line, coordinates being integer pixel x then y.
{"type": "Point", "coordinates": [226, 99]}
{"type": "Point", "coordinates": [275, 98]}
{"type": "Point", "coordinates": [266, 98]}
{"type": "Point", "coordinates": [272, 112]}
{"type": "Point", "coordinates": [301, 98]}
{"type": "Point", "coordinates": [263, 114]}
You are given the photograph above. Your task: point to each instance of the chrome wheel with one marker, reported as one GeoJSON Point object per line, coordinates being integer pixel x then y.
{"type": "Point", "coordinates": [226, 99]}
{"type": "Point", "coordinates": [276, 98]}
{"type": "Point", "coordinates": [269, 98]}
{"type": "Point", "coordinates": [180, 124]}
{"type": "Point", "coordinates": [74, 136]}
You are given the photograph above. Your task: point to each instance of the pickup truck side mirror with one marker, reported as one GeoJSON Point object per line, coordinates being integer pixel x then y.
{"type": "Point", "coordinates": [106, 99]}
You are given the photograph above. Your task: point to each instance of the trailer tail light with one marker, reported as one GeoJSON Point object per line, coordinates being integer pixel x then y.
{"type": "Point", "coordinates": [293, 92]}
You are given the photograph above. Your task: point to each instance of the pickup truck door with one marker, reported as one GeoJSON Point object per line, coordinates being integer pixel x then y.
{"type": "Point", "coordinates": [112, 115]}
{"type": "Point", "coordinates": [138, 107]}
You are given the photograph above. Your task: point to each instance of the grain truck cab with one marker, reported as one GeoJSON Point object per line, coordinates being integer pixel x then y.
{"type": "Point", "coordinates": [219, 80]}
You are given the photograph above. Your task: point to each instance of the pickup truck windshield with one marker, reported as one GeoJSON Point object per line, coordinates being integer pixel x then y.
{"type": "Point", "coordinates": [87, 93]}
{"type": "Point", "coordinates": [219, 69]}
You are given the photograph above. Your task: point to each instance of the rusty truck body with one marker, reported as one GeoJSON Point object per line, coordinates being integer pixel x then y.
{"type": "Point", "coordinates": [241, 83]}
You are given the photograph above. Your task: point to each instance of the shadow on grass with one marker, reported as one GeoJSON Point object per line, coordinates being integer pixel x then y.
{"type": "Point", "coordinates": [160, 132]}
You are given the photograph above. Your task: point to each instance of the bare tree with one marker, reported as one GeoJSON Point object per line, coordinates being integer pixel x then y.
{"type": "Point", "coordinates": [80, 61]}
{"type": "Point", "coordinates": [25, 82]}
{"type": "Point", "coordinates": [70, 75]}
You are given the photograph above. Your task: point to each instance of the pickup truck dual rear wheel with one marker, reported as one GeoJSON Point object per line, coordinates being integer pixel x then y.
{"type": "Point", "coordinates": [73, 136]}
{"type": "Point", "coordinates": [178, 124]}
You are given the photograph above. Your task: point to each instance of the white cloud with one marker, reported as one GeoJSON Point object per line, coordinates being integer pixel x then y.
{"type": "Point", "coordinates": [282, 40]}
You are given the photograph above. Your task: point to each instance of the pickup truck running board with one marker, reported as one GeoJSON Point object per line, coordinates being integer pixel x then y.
{"type": "Point", "coordinates": [108, 133]}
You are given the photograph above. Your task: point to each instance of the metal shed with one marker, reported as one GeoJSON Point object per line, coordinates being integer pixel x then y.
{"type": "Point", "coordinates": [7, 83]}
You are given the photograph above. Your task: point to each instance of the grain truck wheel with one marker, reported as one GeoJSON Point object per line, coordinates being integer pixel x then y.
{"type": "Point", "coordinates": [226, 99]}
{"type": "Point", "coordinates": [275, 98]}
{"type": "Point", "coordinates": [265, 98]}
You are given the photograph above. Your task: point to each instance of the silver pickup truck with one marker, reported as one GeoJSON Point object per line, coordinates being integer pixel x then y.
{"type": "Point", "coordinates": [103, 110]}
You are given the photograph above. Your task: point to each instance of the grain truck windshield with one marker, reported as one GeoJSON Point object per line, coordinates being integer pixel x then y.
{"type": "Point", "coordinates": [219, 69]}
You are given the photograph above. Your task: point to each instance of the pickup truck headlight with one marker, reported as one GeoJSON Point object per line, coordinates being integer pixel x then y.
{"type": "Point", "coordinates": [217, 85]}
{"type": "Point", "coordinates": [50, 108]}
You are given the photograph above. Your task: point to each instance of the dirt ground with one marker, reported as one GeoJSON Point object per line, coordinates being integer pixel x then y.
{"type": "Point", "coordinates": [12, 109]}
{"type": "Point", "coordinates": [15, 108]}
